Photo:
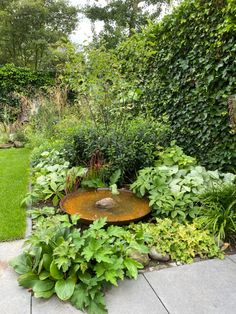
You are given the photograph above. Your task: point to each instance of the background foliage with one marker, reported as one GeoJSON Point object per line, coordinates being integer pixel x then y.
{"type": "Point", "coordinates": [30, 27]}
{"type": "Point", "coordinates": [15, 81]}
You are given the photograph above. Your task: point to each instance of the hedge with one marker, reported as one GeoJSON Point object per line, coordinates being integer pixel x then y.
{"type": "Point", "coordinates": [15, 80]}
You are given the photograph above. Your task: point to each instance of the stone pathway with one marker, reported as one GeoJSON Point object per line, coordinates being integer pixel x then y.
{"type": "Point", "coordinates": [207, 287]}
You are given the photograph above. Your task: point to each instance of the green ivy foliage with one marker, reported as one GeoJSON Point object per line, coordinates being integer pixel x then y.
{"type": "Point", "coordinates": [188, 73]}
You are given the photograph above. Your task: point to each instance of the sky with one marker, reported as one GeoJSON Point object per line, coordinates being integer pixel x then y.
{"type": "Point", "coordinates": [83, 32]}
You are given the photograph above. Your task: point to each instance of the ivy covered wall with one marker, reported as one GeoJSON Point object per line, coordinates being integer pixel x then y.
{"type": "Point", "coordinates": [186, 69]}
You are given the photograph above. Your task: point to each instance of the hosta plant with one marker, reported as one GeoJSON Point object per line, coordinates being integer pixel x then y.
{"type": "Point", "coordinates": [174, 189]}
{"type": "Point", "coordinates": [52, 181]}
{"type": "Point", "coordinates": [77, 266]}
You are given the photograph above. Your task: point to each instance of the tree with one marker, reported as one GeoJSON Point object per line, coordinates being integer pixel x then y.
{"type": "Point", "coordinates": [123, 17]}
{"type": "Point", "coordinates": [29, 28]}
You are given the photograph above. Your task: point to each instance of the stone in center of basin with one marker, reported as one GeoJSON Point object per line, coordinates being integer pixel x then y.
{"type": "Point", "coordinates": [106, 203]}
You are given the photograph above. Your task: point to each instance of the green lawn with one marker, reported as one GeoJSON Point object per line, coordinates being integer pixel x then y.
{"type": "Point", "coordinates": [14, 175]}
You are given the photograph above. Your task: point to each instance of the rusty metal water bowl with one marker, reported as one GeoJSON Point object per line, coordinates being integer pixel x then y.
{"type": "Point", "coordinates": [118, 209]}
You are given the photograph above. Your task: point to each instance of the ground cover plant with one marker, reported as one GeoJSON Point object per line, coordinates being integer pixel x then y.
{"type": "Point", "coordinates": [14, 174]}
{"type": "Point", "coordinates": [52, 178]}
{"type": "Point", "coordinates": [182, 242]}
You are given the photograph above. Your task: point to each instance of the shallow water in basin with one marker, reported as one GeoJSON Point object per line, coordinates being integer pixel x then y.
{"type": "Point", "coordinates": [127, 207]}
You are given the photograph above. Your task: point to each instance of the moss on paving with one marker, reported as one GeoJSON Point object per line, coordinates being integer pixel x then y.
{"type": "Point", "coordinates": [14, 176]}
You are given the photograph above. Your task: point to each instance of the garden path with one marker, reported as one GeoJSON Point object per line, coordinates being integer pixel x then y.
{"type": "Point", "coordinates": [206, 287]}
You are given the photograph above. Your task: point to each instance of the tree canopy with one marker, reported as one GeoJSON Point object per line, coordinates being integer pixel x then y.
{"type": "Point", "coordinates": [123, 17]}
{"type": "Point", "coordinates": [30, 27]}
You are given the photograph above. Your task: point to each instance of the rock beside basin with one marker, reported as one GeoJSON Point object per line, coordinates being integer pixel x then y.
{"type": "Point", "coordinates": [139, 257]}
{"type": "Point", "coordinates": [154, 254]}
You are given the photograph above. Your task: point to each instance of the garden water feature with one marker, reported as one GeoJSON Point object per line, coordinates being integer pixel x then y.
{"type": "Point", "coordinates": [119, 209]}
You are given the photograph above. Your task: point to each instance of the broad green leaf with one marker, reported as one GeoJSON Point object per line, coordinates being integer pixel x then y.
{"type": "Point", "coordinates": [96, 308]}
{"type": "Point", "coordinates": [44, 275]}
{"type": "Point", "coordinates": [43, 285]}
{"type": "Point", "coordinates": [111, 276]}
{"type": "Point", "coordinates": [55, 200]}
{"type": "Point", "coordinates": [100, 269]}
{"type": "Point", "coordinates": [44, 294]}
{"type": "Point", "coordinates": [47, 259]}
{"type": "Point", "coordinates": [75, 219]}
{"type": "Point", "coordinates": [28, 280]}
{"type": "Point", "coordinates": [55, 272]}
{"type": "Point", "coordinates": [98, 224]}
{"type": "Point", "coordinates": [65, 288]}
{"type": "Point", "coordinates": [22, 263]}
{"type": "Point", "coordinates": [80, 298]}
{"type": "Point", "coordinates": [132, 267]}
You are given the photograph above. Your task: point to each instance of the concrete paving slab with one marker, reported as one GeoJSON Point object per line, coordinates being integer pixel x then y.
{"type": "Point", "coordinates": [8, 250]}
{"type": "Point", "coordinates": [133, 297]}
{"type": "Point", "coordinates": [206, 287]}
{"type": "Point", "coordinates": [14, 299]}
{"type": "Point", "coordinates": [232, 258]}
{"type": "Point", "coordinates": [52, 306]}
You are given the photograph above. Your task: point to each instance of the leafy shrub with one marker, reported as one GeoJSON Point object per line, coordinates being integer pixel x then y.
{"type": "Point", "coordinates": [77, 266]}
{"type": "Point", "coordinates": [181, 241]}
{"type": "Point", "coordinates": [174, 155]}
{"type": "Point", "coordinates": [129, 148]}
{"type": "Point", "coordinates": [174, 190]}
{"type": "Point", "coordinates": [218, 212]}
{"type": "Point", "coordinates": [185, 68]}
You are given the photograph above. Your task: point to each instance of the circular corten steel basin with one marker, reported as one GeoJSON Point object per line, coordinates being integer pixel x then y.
{"type": "Point", "coordinates": [128, 207]}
